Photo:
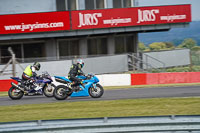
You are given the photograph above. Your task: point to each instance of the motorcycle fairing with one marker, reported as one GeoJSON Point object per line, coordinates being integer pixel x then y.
{"type": "Point", "coordinates": [84, 91]}
{"type": "Point", "coordinates": [87, 83]}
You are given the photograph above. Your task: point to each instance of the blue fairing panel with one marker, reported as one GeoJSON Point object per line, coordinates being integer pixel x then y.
{"type": "Point", "coordinates": [81, 77]}
{"type": "Point", "coordinates": [83, 93]}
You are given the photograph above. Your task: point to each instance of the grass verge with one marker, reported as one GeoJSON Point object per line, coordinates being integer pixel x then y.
{"type": "Point", "coordinates": [3, 93]}
{"type": "Point", "coordinates": [93, 109]}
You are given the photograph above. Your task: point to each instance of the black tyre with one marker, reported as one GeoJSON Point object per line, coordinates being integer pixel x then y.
{"type": "Point", "coordinates": [15, 94]}
{"type": "Point", "coordinates": [48, 90]}
{"type": "Point", "coordinates": [60, 92]}
{"type": "Point", "coordinates": [96, 92]}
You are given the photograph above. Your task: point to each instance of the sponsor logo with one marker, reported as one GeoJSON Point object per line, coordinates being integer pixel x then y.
{"type": "Point", "coordinates": [171, 18]}
{"type": "Point", "coordinates": [147, 15]}
{"type": "Point", "coordinates": [31, 27]}
{"type": "Point", "coordinates": [117, 21]}
{"type": "Point", "coordinates": [89, 19]}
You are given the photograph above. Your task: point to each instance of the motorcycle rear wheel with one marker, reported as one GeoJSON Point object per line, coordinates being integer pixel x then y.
{"type": "Point", "coordinates": [60, 92]}
{"type": "Point", "coordinates": [96, 92]}
{"type": "Point", "coordinates": [14, 93]}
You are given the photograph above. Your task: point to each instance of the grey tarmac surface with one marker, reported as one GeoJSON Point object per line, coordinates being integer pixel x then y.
{"type": "Point", "coordinates": [132, 93]}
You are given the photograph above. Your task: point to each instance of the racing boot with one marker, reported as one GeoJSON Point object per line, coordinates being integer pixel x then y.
{"type": "Point", "coordinates": [39, 92]}
{"type": "Point", "coordinates": [38, 89]}
{"type": "Point", "coordinates": [31, 92]}
{"type": "Point", "coordinates": [75, 88]}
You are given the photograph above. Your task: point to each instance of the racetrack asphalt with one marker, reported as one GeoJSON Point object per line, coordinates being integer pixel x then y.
{"type": "Point", "coordinates": [117, 94]}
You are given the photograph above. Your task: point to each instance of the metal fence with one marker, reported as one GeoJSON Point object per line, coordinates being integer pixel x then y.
{"type": "Point", "coordinates": [195, 57]}
{"type": "Point", "coordinates": [151, 124]}
{"type": "Point", "coordinates": [95, 65]}
{"type": "Point", "coordinates": [172, 58]}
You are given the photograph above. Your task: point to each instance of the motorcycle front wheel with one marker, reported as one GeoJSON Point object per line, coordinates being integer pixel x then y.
{"type": "Point", "coordinates": [48, 90]}
{"type": "Point", "coordinates": [96, 92]}
{"type": "Point", "coordinates": [14, 93]}
{"type": "Point", "coordinates": [60, 92]}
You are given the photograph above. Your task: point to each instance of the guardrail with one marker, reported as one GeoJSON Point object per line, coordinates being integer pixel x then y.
{"type": "Point", "coordinates": [151, 124]}
{"type": "Point", "coordinates": [136, 62]}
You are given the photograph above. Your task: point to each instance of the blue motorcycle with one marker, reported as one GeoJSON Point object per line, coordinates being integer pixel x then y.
{"type": "Point", "coordinates": [23, 88]}
{"type": "Point", "coordinates": [89, 87]}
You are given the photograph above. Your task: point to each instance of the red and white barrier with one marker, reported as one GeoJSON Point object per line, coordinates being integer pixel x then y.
{"type": "Point", "coordinates": [135, 79]}
{"type": "Point", "coordinates": [165, 78]}
{"type": "Point", "coordinates": [115, 79]}
{"type": "Point", "coordinates": [6, 84]}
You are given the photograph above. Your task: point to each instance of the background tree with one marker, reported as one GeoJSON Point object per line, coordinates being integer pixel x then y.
{"type": "Point", "coordinates": [141, 46]}
{"type": "Point", "coordinates": [169, 45]}
{"type": "Point", "coordinates": [156, 46]}
{"type": "Point", "coordinates": [188, 43]}
{"type": "Point", "coordinates": [196, 48]}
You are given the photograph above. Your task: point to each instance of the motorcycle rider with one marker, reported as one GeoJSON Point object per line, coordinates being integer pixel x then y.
{"type": "Point", "coordinates": [29, 73]}
{"type": "Point", "coordinates": [76, 69]}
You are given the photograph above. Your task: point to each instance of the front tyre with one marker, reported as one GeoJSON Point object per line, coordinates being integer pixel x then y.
{"type": "Point", "coordinates": [15, 94]}
{"type": "Point", "coordinates": [48, 90]}
{"type": "Point", "coordinates": [96, 92]}
{"type": "Point", "coordinates": [60, 92]}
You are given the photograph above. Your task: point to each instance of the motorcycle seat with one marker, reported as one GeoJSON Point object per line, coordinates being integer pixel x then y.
{"type": "Point", "coordinates": [62, 79]}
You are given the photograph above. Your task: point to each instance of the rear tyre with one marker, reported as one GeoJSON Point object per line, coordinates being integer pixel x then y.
{"type": "Point", "coordinates": [96, 92]}
{"type": "Point", "coordinates": [15, 94]}
{"type": "Point", "coordinates": [49, 89]}
{"type": "Point", "coordinates": [60, 92]}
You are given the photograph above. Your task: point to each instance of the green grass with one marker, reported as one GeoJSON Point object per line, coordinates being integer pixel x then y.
{"type": "Point", "coordinates": [3, 93]}
{"type": "Point", "coordinates": [94, 109]}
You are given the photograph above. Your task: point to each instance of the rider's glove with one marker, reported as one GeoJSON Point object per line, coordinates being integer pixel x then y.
{"type": "Point", "coordinates": [88, 76]}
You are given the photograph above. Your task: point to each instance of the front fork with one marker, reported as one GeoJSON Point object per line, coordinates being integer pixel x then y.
{"type": "Point", "coordinates": [49, 87]}
{"type": "Point", "coordinates": [94, 86]}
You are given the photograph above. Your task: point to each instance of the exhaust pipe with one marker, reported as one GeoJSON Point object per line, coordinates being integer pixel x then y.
{"type": "Point", "coordinates": [16, 86]}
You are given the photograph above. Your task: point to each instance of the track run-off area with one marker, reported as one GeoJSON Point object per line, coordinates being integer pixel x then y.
{"type": "Point", "coordinates": [115, 94]}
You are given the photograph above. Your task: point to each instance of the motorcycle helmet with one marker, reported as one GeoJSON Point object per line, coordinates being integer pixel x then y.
{"type": "Point", "coordinates": [37, 65]}
{"type": "Point", "coordinates": [80, 62]}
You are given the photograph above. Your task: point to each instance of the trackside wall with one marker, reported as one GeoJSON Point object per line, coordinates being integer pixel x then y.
{"type": "Point", "coordinates": [114, 79]}
{"type": "Point", "coordinates": [135, 79]}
